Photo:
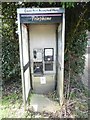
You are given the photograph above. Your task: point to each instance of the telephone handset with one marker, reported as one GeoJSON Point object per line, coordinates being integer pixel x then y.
{"type": "Point", "coordinates": [35, 54]}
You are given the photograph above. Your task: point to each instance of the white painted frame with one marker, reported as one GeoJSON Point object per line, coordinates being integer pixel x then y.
{"type": "Point", "coordinates": [40, 10]}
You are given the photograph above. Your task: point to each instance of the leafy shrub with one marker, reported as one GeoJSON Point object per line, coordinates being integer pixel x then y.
{"type": "Point", "coordinates": [75, 44]}
{"type": "Point", "coordinates": [10, 53]}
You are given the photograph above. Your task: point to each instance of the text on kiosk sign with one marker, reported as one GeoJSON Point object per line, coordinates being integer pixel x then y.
{"type": "Point", "coordinates": [40, 18]}
{"type": "Point", "coordinates": [41, 10]}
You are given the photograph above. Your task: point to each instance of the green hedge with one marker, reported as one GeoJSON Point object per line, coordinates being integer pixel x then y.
{"type": "Point", "coordinates": [75, 41]}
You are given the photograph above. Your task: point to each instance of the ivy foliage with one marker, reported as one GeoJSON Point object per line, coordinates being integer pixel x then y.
{"type": "Point", "coordinates": [76, 39]}
{"type": "Point", "coordinates": [10, 54]}
{"type": "Point", "coordinates": [75, 45]}
{"type": "Point", "coordinates": [10, 46]}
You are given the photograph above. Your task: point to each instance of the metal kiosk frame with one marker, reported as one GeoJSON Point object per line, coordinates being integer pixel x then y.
{"type": "Point", "coordinates": [27, 16]}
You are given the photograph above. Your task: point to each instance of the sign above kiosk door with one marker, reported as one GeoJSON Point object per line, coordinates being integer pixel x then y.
{"type": "Point", "coordinates": [40, 18]}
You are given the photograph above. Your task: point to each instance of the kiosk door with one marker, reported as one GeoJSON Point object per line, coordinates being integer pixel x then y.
{"type": "Point", "coordinates": [25, 62]}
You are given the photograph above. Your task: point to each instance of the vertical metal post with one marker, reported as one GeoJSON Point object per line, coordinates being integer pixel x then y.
{"type": "Point", "coordinates": [56, 78]}
{"type": "Point", "coordinates": [21, 60]}
{"type": "Point", "coordinates": [29, 57]}
{"type": "Point", "coordinates": [62, 66]}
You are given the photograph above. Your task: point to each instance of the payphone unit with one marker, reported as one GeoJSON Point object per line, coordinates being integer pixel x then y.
{"type": "Point", "coordinates": [43, 61]}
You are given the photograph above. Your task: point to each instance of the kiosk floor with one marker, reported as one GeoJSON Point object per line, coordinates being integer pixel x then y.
{"type": "Point", "coordinates": [40, 103]}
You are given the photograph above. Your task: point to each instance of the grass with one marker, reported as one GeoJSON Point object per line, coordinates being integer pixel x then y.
{"type": "Point", "coordinates": [80, 100]}
{"type": "Point", "coordinates": [11, 106]}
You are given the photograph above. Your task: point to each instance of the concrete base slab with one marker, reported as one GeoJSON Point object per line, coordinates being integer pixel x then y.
{"type": "Point", "coordinates": [41, 103]}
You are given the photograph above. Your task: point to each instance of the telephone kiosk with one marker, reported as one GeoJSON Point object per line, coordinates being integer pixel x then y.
{"type": "Point", "coordinates": [41, 44]}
